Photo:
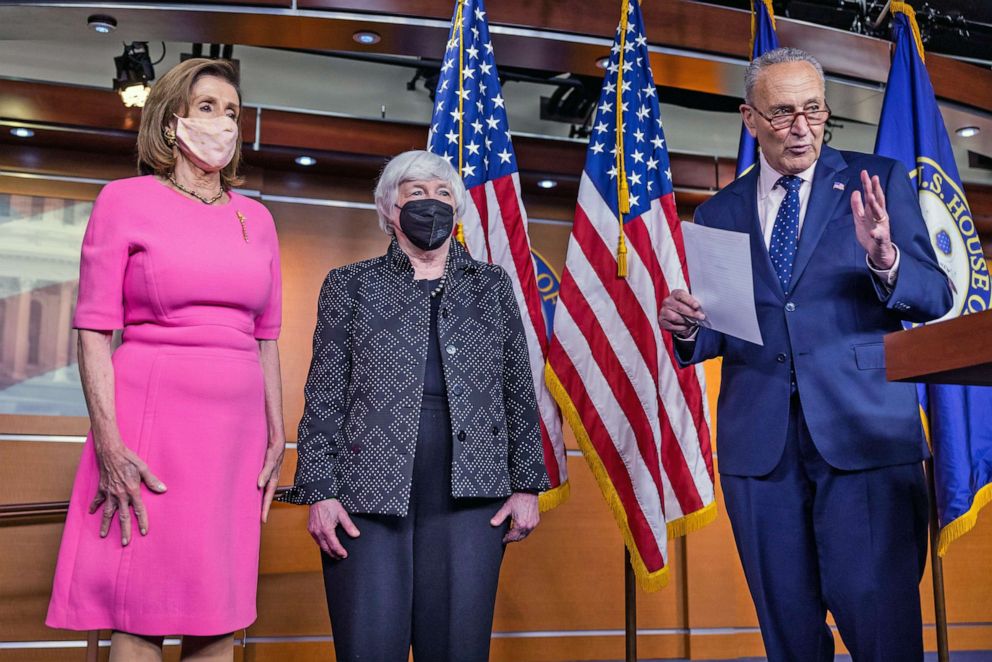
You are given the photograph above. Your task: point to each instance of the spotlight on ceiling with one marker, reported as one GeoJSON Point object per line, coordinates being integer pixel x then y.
{"type": "Point", "coordinates": [305, 161]}
{"type": "Point", "coordinates": [367, 37]}
{"type": "Point", "coordinates": [21, 132]}
{"type": "Point", "coordinates": [134, 72]}
{"type": "Point", "coordinates": [968, 131]}
{"type": "Point", "coordinates": [603, 62]}
{"type": "Point", "coordinates": [547, 183]}
{"type": "Point", "coordinates": [102, 23]}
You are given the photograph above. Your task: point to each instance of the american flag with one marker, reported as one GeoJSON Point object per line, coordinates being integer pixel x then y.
{"type": "Point", "coordinates": [470, 129]}
{"type": "Point", "coordinates": [642, 423]}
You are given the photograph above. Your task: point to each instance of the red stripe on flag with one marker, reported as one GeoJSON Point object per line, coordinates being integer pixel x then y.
{"type": "Point", "coordinates": [506, 194]}
{"type": "Point", "coordinates": [644, 537]}
{"type": "Point", "coordinates": [609, 364]}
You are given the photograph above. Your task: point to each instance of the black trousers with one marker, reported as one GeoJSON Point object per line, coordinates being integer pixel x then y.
{"type": "Point", "coordinates": [428, 579]}
{"type": "Point", "coordinates": [813, 538]}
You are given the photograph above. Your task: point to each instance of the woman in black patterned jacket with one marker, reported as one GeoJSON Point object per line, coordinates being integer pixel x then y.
{"type": "Point", "coordinates": [420, 437]}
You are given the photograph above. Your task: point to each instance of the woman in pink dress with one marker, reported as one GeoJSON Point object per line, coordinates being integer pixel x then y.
{"type": "Point", "coordinates": [186, 440]}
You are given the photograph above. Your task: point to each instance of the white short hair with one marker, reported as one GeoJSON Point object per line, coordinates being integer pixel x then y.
{"type": "Point", "coordinates": [416, 164]}
{"type": "Point", "coordinates": [776, 56]}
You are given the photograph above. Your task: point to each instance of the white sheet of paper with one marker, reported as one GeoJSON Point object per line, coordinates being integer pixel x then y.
{"type": "Point", "coordinates": [719, 264]}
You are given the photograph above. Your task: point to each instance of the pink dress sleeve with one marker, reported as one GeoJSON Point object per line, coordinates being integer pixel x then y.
{"type": "Point", "coordinates": [100, 305]}
{"type": "Point", "coordinates": [267, 324]}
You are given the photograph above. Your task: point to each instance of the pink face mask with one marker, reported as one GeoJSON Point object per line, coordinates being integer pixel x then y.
{"type": "Point", "coordinates": [209, 142]}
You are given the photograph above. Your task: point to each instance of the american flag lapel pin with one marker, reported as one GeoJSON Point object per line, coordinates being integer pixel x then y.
{"type": "Point", "coordinates": [838, 186]}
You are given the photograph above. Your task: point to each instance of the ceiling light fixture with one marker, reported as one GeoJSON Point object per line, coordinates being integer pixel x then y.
{"type": "Point", "coordinates": [21, 132]}
{"type": "Point", "coordinates": [102, 23]}
{"type": "Point", "coordinates": [134, 72]}
{"type": "Point", "coordinates": [305, 161]}
{"type": "Point", "coordinates": [547, 183]}
{"type": "Point", "coordinates": [968, 131]}
{"type": "Point", "coordinates": [367, 37]}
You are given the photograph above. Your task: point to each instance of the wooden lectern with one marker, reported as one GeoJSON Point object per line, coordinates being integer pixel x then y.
{"type": "Point", "coordinates": [958, 351]}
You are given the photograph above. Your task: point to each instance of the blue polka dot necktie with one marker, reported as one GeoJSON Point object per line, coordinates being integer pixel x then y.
{"type": "Point", "coordinates": [785, 233]}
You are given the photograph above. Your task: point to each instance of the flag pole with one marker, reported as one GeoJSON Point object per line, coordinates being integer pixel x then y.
{"type": "Point", "coordinates": [937, 570]}
{"type": "Point", "coordinates": [629, 607]}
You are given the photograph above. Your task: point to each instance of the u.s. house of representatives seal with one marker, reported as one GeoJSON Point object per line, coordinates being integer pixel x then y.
{"type": "Point", "coordinates": [954, 237]}
{"type": "Point", "coordinates": [548, 285]}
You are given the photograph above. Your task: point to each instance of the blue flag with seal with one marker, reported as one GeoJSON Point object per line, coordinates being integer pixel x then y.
{"type": "Point", "coordinates": [763, 39]}
{"type": "Point", "coordinates": [911, 130]}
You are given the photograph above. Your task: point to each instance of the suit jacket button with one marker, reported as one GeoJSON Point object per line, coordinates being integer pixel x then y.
{"type": "Point", "coordinates": [461, 435]}
{"type": "Point", "coordinates": [458, 389]}
{"type": "Point", "coordinates": [789, 307]}
{"type": "Point", "coordinates": [780, 358]}
{"type": "Point", "coordinates": [451, 349]}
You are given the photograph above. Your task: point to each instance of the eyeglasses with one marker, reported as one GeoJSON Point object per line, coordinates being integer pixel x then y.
{"type": "Point", "coordinates": [786, 120]}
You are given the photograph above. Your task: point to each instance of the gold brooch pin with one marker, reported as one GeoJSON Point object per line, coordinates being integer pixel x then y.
{"type": "Point", "coordinates": [244, 228]}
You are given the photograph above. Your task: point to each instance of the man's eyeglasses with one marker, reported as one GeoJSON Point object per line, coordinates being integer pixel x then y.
{"type": "Point", "coordinates": [786, 120]}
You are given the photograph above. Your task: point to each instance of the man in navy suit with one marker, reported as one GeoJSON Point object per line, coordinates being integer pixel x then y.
{"type": "Point", "coordinates": [819, 456]}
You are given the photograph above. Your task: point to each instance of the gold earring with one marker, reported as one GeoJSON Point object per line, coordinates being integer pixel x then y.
{"type": "Point", "coordinates": [170, 136]}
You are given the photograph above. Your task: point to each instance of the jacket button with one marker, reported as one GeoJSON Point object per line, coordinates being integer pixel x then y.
{"type": "Point", "coordinates": [495, 430]}
{"type": "Point", "coordinates": [451, 349]}
{"type": "Point", "coordinates": [780, 358]}
{"type": "Point", "coordinates": [457, 389]}
{"type": "Point", "coordinates": [789, 307]}
{"type": "Point", "coordinates": [461, 435]}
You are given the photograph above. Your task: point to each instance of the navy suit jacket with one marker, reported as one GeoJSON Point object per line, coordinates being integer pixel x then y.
{"type": "Point", "coordinates": [829, 327]}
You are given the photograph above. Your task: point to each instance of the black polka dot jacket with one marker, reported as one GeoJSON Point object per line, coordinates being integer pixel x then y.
{"type": "Point", "coordinates": [358, 434]}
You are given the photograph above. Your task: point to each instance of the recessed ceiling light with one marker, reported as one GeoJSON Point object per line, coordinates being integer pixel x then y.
{"type": "Point", "coordinates": [547, 183]}
{"type": "Point", "coordinates": [21, 132]}
{"type": "Point", "coordinates": [603, 62]}
{"type": "Point", "coordinates": [968, 131]}
{"type": "Point", "coordinates": [102, 23]}
{"type": "Point", "coordinates": [367, 37]}
{"type": "Point", "coordinates": [305, 161]}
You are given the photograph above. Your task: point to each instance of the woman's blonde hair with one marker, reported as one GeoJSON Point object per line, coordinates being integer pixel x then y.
{"type": "Point", "coordinates": [171, 96]}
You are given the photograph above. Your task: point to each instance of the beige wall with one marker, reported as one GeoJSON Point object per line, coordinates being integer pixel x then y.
{"type": "Point", "coordinates": [560, 590]}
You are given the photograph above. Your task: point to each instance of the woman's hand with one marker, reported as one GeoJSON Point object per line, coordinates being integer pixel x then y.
{"type": "Point", "coordinates": [325, 516]}
{"type": "Point", "coordinates": [268, 479]}
{"type": "Point", "coordinates": [524, 516]}
{"type": "Point", "coordinates": [121, 474]}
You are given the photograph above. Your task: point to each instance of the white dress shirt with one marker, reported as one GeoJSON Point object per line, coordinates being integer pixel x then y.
{"type": "Point", "coordinates": [770, 197]}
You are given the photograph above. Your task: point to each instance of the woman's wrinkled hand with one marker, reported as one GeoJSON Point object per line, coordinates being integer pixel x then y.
{"type": "Point", "coordinates": [325, 517]}
{"type": "Point", "coordinates": [524, 516]}
{"type": "Point", "coordinates": [121, 474]}
{"type": "Point", "coordinates": [268, 479]}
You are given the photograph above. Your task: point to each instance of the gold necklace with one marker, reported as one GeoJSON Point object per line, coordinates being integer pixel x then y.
{"type": "Point", "coordinates": [203, 199]}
